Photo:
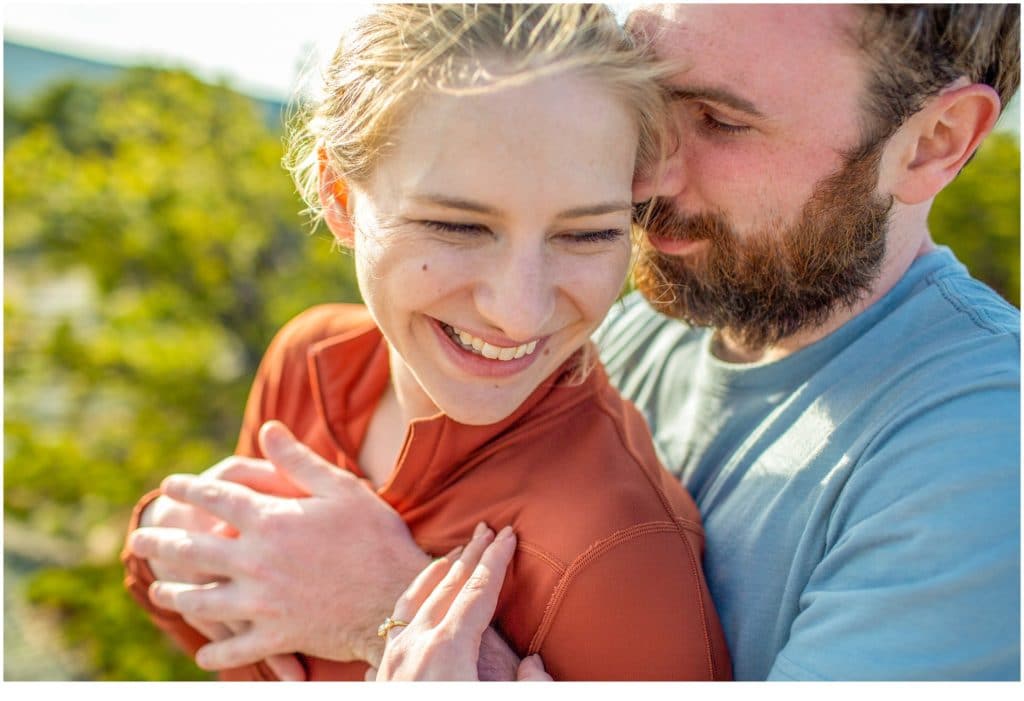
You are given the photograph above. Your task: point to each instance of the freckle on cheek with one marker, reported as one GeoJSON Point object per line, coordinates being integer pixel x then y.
{"type": "Point", "coordinates": [424, 267]}
{"type": "Point", "coordinates": [547, 351]}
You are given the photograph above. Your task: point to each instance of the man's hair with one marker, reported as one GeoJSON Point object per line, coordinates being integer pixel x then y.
{"type": "Point", "coordinates": [913, 51]}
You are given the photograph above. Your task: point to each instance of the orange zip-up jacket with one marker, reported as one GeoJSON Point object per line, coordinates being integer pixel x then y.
{"type": "Point", "coordinates": [606, 581]}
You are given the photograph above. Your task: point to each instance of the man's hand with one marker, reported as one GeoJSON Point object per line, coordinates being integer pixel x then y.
{"type": "Point", "coordinates": [315, 574]}
{"type": "Point", "coordinates": [449, 608]}
{"type": "Point", "coordinates": [165, 512]}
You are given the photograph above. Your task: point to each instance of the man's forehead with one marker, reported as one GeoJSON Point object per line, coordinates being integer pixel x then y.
{"type": "Point", "coordinates": [773, 26]}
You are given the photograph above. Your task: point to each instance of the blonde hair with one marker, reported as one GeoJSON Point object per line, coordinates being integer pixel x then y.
{"type": "Point", "coordinates": [401, 51]}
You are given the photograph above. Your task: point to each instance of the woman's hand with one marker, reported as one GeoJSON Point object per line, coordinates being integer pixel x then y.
{"type": "Point", "coordinates": [448, 608]}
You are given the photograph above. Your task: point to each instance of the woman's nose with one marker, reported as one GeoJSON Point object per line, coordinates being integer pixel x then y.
{"type": "Point", "coordinates": [518, 297]}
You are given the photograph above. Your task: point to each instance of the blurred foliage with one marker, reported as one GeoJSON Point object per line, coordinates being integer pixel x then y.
{"type": "Point", "coordinates": [978, 215]}
{"type": "Point", "coordinates": [153, 245]}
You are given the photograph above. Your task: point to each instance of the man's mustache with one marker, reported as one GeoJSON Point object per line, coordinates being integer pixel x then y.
{"type": "Point", "coordinates": [660, 218]}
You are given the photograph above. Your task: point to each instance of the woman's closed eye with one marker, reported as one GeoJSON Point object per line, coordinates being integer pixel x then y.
{"type": "Point", "coordinates": [595, 236]}
{"type": "Point", "coordinates": [455, 227]}
{"type": "Point", "coordinates": [575, 237]}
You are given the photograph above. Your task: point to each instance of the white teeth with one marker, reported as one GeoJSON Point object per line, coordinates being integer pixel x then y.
{"type": "Point", "coordinates": [469, 341]}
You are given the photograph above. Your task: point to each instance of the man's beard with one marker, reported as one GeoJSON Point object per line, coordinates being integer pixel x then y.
{"type": "Point", "coordinates": [767, 286]}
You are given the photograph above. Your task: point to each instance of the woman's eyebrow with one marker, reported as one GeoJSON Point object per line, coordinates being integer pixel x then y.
{"type": "Point", "coordinates": [593, 210]}
{"type": "Point", "coordinates": [719, 95]}
{"type": "Point", "coordinates": [459, 203]}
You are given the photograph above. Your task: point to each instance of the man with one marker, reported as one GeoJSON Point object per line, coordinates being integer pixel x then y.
{"type": "Point", "coordinates": [841, 398]}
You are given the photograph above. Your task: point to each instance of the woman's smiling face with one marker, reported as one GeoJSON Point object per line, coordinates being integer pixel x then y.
{"type": "Point", "coordinates": [493, 237]}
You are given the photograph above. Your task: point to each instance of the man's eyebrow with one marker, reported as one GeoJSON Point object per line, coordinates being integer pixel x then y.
{"type": "Point", "coordinates": [590, 210]}
{"type": "Point", "coordinates": [719, 95]}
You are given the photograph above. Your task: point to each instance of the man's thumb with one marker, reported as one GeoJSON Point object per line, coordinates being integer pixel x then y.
{"type": "Point", "coordinates": [297, 460]}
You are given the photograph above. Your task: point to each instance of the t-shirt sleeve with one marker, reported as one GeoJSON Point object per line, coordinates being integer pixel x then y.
{"type": "Point", "coordinates": [635, 607]}
{"type": "Point", "coordinates": [920, 578]}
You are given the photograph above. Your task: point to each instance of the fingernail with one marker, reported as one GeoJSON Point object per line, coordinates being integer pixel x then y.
{"type": "Point", "coordinates": [173, 483]}
{"type": "Point", "coordinates": [504, 533]}
{"type": "Point", "coordinates": [481, 528]}
{"type": "Point", "coordinates": [136, 542]}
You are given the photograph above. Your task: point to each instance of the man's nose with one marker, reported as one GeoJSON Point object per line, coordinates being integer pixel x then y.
{"type": "Point", "coordinates": [518, 297]}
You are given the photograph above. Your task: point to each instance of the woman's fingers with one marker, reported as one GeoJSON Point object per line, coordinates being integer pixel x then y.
{"type": "Point", "coordinates": [438, 601]}
{"type": "Point", "coordinates": [412, 598]}
{"type": "Point", "coordinates": [473, 607]}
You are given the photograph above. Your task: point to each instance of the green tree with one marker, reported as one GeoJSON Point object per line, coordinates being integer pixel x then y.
{"type": "Point", "coordinates": [978, 215]}
{"type": "Point", "coordinates": [153, 244]}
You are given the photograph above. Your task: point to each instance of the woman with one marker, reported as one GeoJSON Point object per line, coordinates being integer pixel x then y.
{"type": "Point", "coordinates": [478, 160]}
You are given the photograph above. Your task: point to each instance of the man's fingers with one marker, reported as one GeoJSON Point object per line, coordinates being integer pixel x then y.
{"type": "Point", "coordinates": [473, 607]}
{"type": "Point", "coordinates": [215, 601]}
{"type": "Point", "coordinates": [440, 599]}
{"type": "Point", "coordinates": [246, 648]}
{"type": "Point", "coordinates": [183, 550]}
{"type": "Point", "coordinates": [287, 668]}
{"type": "Point", "coordinates": [297, 461]}
{"type": "Point", "coordinates": [258, 475]}
{"type": "Point", "coordinates": [228, 501]}
{"type": "Point", "coordinates": [212, 630]}
{"type": "Point", "coordinates": [531, 669]}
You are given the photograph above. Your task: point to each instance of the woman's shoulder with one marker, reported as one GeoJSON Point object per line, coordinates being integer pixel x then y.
{"type": "Point", "coordinates": [289, 350]}
{"type": "Point", "coordinates": [597, 465]}
{"type": "Point", "coordinates": [323, 321]}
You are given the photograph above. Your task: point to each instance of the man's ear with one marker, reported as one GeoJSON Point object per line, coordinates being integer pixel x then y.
{"type": "Point", "coordinates": [334, 199]}
{"type": "Point", "coordinates": [935, 143]}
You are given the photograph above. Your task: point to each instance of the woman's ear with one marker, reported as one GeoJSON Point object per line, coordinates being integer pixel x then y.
{"type": "Point", "coordinates": [935, 143]}
{"type": "Point", "coordinates": [333, 191]}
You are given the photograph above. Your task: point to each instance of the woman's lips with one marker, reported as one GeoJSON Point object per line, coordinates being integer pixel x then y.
{"type": "Point", "coordinates": [475, 344]}
{"type": "Point", "coordinates": [472, 359]}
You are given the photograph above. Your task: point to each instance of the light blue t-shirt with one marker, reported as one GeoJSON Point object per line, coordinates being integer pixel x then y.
{"type": "Point", "coordinates": [861, 497]}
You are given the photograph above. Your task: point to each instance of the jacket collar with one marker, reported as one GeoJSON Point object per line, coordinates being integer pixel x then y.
{"type": "Point", "coordinates": [349, 373]}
